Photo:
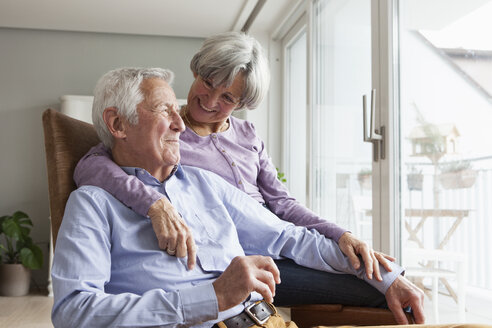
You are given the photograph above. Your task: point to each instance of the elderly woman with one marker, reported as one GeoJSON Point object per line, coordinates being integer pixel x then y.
{"type": "Point", "coordinates": [231, 73]}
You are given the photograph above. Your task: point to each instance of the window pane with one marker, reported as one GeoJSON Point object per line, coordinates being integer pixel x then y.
{"type": "Point", "coordinates": [296, 117]}
{"type": "Point", "coordinates": [446, 152]}
{"type": "Point", "coordinates": [341, 162]}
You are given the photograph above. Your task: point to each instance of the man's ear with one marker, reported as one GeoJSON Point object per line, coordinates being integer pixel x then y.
{"type": "Point", "coordinates": [195, 75]}
{"type": "Point", "coordinates": [115, 123]}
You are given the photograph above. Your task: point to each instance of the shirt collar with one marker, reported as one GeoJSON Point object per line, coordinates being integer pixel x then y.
{"type": "Point", "coordinates": [147, 178]}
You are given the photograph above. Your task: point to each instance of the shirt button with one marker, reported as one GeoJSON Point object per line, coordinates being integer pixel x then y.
{"type": "Point", "coordinates": [223, 150]}
{"type": "Point", "coordinates": [214, 136]}
{"type": "Point", "coordinates": [240, 182]}
{"type": "Point", "coordinates": [233, 164]}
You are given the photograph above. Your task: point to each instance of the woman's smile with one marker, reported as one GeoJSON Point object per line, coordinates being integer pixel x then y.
{"type": "Point", "coordinates": [209, 110]}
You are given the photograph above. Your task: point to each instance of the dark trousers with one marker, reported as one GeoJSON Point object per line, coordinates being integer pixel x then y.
{"type": "Point", "coordinates": [302, 285]}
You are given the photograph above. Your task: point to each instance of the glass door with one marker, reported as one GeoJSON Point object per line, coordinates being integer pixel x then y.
{"type": "Point", "coordinates": [341, 166]}
{"type": "Point", "coordinates": [328, 165]}
{"type": "Point", "coordinates": [445, 106]}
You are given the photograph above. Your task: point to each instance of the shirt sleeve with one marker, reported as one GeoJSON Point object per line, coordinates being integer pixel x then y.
{"type": "Point", "coordinates": [261, 232]}
{"type": "Point", "coordinates": [285, 206]}
{"type": "Point", "coordinates": [97, 168]}
{"type": "Point", "coordinates": [83, 268]}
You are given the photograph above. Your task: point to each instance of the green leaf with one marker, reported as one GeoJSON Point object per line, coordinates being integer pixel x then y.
{"type": "Point", "coordinates": [12, 229]}
{"type": "Point", "coordinates": [25, 231]}
{"type": "Point", "coordinates": [280, 175]}
{"type": "Point", "coordinates": [26, 242]}
{"type": "Point", "coordinates": [17, 226]}
{"type": "Point", "coordinates": [20, 215]}
{"type": "Point", "coordinates": [19, 247]}
{"type": "Point", "coordinates": [32, 257]}
{"type": "Point", "coordinates": [25, 221]}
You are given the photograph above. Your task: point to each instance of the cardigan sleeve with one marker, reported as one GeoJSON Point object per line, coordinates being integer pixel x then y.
{"type": "Point", "coordinates": [285, 206]}
{"type": "Point", "coordinates": [97, 168]}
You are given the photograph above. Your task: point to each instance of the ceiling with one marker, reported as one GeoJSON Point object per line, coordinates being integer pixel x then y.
{"type": "Point", "coordinates": [189, 18]}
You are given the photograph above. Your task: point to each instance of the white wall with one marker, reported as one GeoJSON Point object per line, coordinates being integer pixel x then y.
{"type": "Point", "coordinates": [36, 68]}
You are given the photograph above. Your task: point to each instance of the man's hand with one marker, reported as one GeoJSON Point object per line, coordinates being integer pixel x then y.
{"type": "Point", "coordinates": [403, 293]}
{"type": "Point", "coordinates": [244, 275]}
{"type": "Point", "coordinates": [351, 246]}
{"type": "Point", "coordinates": [172, 233]}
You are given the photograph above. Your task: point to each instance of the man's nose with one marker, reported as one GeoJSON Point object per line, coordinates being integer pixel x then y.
{"type": "Point", "coordinates": [177, 123]}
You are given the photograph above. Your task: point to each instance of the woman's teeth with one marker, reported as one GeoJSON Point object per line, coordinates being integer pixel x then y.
{"type": "Point", "coordinates": [206, 109]}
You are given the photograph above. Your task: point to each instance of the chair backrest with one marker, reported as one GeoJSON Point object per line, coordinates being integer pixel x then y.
{"type": "Point", "coordinates": [66, 140]}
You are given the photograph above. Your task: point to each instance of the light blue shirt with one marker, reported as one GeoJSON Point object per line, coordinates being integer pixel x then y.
{"type": "Point", "coordinates": [108, 270]}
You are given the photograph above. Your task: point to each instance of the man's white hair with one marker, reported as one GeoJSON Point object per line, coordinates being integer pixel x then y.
{"type": "Point", "coordinates": [120, 88]}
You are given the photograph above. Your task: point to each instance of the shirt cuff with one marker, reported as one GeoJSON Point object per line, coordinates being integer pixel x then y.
{"type": "Point", "coordinates": [199, 303]}
{"type": "Point", "coordinates": [388, 277]}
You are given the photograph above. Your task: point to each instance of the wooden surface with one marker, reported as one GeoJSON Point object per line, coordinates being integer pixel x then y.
{"type": "Point", "coordinates": [451, 325]}
{"type": "Point", "coordinates": [306, 316]}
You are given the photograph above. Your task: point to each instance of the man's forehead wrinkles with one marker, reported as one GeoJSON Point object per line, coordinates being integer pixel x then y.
{"type": "Point", "coordinates": [162, 89]}
{"type": "Point", "coordinates": [159, 95]}
{"type": "Point", "coordinates": [158, 92]}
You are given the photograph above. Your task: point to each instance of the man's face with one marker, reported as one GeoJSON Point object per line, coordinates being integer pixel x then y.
{"type": "Point", "coordinates": [154, 141]}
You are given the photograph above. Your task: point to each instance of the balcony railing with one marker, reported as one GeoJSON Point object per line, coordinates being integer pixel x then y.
{"type": "Point", "coordinates": [472, 236]}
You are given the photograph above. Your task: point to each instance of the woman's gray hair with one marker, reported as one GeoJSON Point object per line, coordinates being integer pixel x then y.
{"type": "Point", "coordinates": [120, 88]}
{"type": "Point", "coordinates": [223, 56]}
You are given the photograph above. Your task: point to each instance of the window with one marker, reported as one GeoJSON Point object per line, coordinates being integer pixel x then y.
{"type": "Point", "coordinates": [445, 64]}
{"type": "Point", "coordinates": [431, 63]}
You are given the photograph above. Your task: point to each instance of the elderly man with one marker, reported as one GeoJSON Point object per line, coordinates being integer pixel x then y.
{"type": "Point", "coordinates": [108, 269]}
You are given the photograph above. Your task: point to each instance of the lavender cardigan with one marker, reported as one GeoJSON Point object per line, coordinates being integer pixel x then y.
{"type": "Point", "coordinates": [238, 155]}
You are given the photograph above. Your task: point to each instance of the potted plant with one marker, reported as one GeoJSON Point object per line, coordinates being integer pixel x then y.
{"type": "Point", "coordinates": [457, 174]}
{"type": "Point", "coordinates": [18, 254]}
{"type": "Point", "coordinates": [415, 179]}
{"type": "Point", "coordinates": [365, 178]}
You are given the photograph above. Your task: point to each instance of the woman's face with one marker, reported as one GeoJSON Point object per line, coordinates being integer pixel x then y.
{"type": "Point", "coordinates": [208, 105]}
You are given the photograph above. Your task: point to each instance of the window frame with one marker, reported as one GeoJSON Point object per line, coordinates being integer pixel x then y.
{"type": "Point", "coordinates": [294, 33]}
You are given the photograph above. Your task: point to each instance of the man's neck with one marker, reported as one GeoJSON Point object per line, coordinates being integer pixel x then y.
{"type": "Point", "coordinates": [162, 173]}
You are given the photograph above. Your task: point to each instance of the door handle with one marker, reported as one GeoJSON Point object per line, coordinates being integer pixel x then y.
{"type": "Point", "coordinates": [376, 137]}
